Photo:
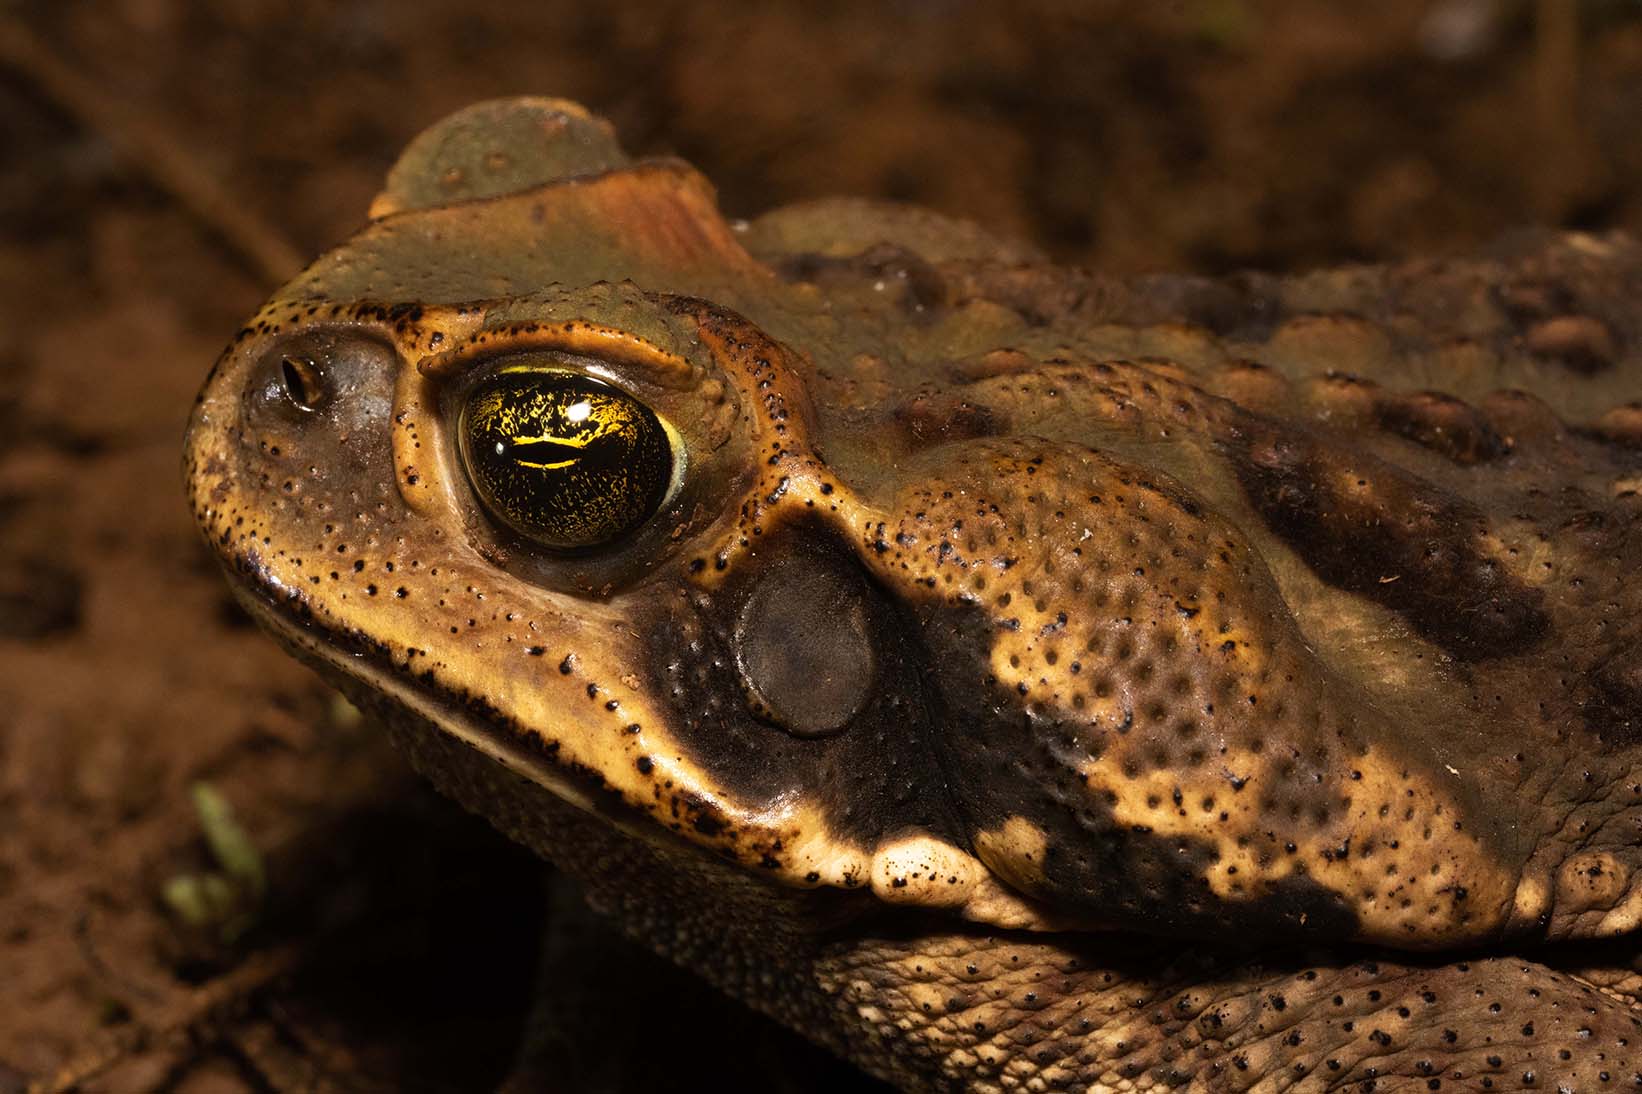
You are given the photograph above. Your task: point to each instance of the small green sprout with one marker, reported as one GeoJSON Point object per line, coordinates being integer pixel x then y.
{"type": "Point", "coordinates": [226, 899]}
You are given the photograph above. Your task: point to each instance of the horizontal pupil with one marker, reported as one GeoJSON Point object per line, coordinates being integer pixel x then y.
{"type": "Point", "coordinates": [544, 450]}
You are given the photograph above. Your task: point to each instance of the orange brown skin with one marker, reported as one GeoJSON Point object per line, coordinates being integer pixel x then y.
{"type": "Point", "coordinates": [1003, 616]}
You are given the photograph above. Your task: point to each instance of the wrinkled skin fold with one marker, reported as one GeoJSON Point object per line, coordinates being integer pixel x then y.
{"type": "Point", "coordinates": [1026, 679]}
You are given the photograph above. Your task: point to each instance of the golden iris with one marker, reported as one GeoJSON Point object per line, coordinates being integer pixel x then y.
{"type": "Point", "coordinates": [564, 458]}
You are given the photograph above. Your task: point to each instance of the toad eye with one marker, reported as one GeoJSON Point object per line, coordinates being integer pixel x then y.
{"type": "Point", "coordinates": [562, 458]}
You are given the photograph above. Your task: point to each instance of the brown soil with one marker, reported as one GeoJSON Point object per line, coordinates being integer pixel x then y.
{"type": "Point", "coordinates": [166, 159]}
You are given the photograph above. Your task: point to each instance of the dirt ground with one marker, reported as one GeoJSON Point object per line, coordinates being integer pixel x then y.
{"type": "Point", "coordinates": [166, 162]}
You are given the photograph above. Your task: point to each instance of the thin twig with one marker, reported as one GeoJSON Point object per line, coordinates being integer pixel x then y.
{"type": "Point", "coordinates": [155, 151]}
{"type": "Point", "coordinates": [185, 1018]}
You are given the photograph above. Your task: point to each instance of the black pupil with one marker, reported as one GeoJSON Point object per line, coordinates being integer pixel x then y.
{"type": "Point", "coordinates": [563, 458]}
{"type": "Point", "coordinates": [302, 382]}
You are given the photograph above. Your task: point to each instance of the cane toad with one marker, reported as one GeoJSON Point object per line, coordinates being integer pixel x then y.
{"type": "Point", "coordinates": [1010, 677]}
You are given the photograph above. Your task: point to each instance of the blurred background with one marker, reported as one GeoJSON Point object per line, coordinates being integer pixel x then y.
{"type": "Point", "coordinates": [212, 877]}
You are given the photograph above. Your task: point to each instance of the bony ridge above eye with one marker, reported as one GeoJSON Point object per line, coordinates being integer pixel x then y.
{"type": "Point", "coordinates": [563, 458]}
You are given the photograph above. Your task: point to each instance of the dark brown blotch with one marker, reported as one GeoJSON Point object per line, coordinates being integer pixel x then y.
{"type": "Point", "coordinates": [1443, 424]}
{"type": "Point", "coordinates": [1613, 709]}
{"type": "Point", "coordinates": [932, 417]}
{"type": "Point", "coordinates": [1368, 528]}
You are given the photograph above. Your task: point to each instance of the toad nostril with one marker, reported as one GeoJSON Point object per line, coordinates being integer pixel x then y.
{"type": "Point", "coordinates": [304, 383]}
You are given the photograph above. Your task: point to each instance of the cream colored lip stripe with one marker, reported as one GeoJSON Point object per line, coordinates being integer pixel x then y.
{"type": "Point", "coordinates": [456, 724]}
